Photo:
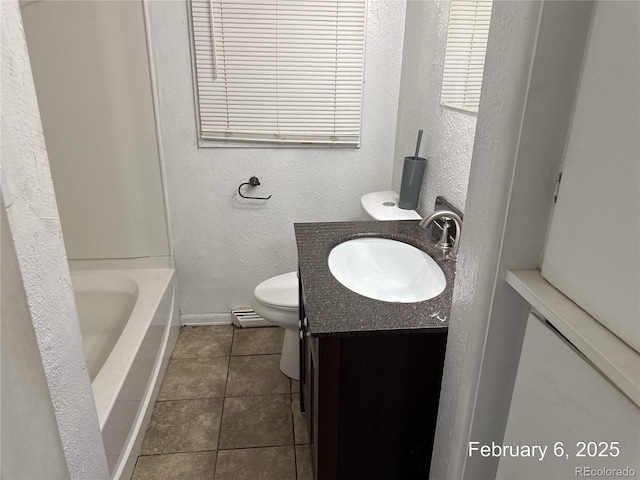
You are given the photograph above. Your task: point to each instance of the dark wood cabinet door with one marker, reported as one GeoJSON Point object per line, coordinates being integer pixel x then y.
{"type": "Point", "coordinates": [371, 402]}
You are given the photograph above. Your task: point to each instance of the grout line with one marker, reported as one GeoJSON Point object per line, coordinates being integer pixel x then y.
{"type": "Point", "coordinates": [224, 399]}
{"type": "Point", "coordinates": [224, 396]}
{"type": "Point", "coordinates": [293, 427]}
{"type": "Point", "coordinates": [255, 448]}
{"type": "Point", "coordinates": [226, 380]}
{"type": "Point", "coordinates": [255, 354]}
{"type": "Point", "coordinates": [199, 357]}
{"type": "Point", "coordinates": [188, 399]}
{"type": "Point", "coordinates": [256, 395]}
{"type": "Point", "coordinates": [176, 453]}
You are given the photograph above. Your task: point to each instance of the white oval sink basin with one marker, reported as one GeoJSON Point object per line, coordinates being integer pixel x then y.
{"type": "Point", "coordinates": [386, 270]}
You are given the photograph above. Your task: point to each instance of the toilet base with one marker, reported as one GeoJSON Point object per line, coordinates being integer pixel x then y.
{"type": "Point", "coordinates": [290, 357]}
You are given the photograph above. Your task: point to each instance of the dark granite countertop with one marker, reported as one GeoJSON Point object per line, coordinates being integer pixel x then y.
{"type": "Point", "coordinates": [334, 310]}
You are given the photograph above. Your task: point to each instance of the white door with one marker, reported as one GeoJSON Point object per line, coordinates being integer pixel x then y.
{"type": "Point", "coordinates": [593, 249]}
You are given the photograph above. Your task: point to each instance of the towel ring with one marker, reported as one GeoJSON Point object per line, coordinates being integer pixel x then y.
{"type": "Point", "coordinates": [253, 182]}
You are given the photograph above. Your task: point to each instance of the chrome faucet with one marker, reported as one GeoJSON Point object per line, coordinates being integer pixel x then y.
{"type": "Point", "coordinates": [446, 215]}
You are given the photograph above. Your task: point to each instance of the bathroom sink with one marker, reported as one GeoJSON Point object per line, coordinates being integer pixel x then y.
{"type": "Point", "coordinates": [386, 270]}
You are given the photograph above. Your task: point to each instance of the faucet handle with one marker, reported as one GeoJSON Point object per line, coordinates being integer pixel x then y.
{"type": "Point", "coordinates": [443, 243]}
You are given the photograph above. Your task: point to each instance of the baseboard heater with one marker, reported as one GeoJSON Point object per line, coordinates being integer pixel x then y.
{"type": "Point", "coordinates": [246, 318]}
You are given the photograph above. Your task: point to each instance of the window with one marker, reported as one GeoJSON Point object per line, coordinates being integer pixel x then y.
{"type": "Point", "coordinates": [466, 49]}
{"type": "Point", "coordinates": [279, 71]}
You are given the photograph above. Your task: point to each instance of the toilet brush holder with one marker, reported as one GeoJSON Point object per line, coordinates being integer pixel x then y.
{"type": "Point", "coordinates": [412, 175]}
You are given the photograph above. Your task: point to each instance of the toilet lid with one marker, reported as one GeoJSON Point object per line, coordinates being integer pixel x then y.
{"type": "Point", "coordinates": [280, 291]}
{"type": "Point", "coordinates": [384, 206]}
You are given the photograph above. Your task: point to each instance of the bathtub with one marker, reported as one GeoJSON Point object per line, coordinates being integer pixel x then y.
{"type": "Point", "coordinates": [129, 327]}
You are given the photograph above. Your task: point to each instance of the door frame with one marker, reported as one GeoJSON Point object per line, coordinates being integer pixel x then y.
{"type": "Point", "coordinates": [533, 65]}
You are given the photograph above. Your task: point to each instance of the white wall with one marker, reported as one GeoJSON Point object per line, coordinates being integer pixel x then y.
{"type": "Point", "coordinates": [30, 441]}
{"type": "Point", "coordinates": [448, 137]}
{"type": "Point", "coordinates": [224, 245]}
{"type": "Point", "coordinates": [35, 226]}
{"type": "Point", "coordinates": [91, 71]}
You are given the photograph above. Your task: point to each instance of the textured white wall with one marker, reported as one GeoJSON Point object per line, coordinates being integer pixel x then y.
{"type": "Point", "coordinates": [511, 44]}
{"type": "Point", "coordinates": [30, 441]}
{"type": "Point", "coordinates": [91, 71]}
{"type": "Point", "coordinates": [448, 137]}
{"type": "Point", "coordinates": [224, 245]}
{"type": "Point", "coordinates": [37, 235]}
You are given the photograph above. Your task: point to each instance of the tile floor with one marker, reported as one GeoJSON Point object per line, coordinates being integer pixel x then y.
{"type": "Point", "coordinates": [225, 411]}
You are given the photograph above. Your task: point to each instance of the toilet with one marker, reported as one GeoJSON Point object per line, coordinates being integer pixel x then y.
{"type": "Point", "coordinates": [276, 299]}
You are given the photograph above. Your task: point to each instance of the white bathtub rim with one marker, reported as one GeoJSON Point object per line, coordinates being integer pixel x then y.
{"type": "Point", "coordinates": [152, 283]}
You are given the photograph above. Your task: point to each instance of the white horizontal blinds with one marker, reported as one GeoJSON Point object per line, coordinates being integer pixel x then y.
{"type": "Point", "coordinates": [466, 49]}
{"type": "Point", "coordinates": [283, 71]}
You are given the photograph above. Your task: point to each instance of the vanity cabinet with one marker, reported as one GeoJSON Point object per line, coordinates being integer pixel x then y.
{"type": "Point", "coordinates": [371, 401]}
{"type": "Point", "coordinates": [370, 371]}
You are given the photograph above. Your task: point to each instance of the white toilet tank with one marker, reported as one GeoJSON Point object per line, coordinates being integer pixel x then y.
{"type": "Point", "coordinates": [383, 206]}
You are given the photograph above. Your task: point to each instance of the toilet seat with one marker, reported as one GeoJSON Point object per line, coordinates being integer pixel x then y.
{"type": "Point", "coordinates": [280, 292]}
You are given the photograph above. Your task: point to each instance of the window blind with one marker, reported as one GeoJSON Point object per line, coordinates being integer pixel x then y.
{"type": "Point", "coordinates": [465, 53]}
{"type": "Point", "coordinates": [279, 71]}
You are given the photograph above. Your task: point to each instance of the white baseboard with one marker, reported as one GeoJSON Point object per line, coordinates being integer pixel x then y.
{"type": "Point", "coordinates": [203, 319]}
{"type": "Point", "coordinates": [208, 319]}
